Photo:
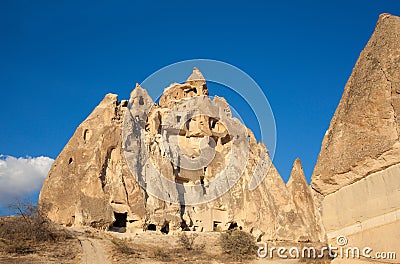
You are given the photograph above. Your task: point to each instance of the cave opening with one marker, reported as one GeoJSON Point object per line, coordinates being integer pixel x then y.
{"type": "Point", "coordinates": [233, 226]}
{"type": "Point", "coordinates": [152, 227]}
{"type": "Point", "coordinates": [165, 228]}
{"type": "Point", "coordinates": [119, 224]}
{"type": "Point", "coordinates": [184, 226]}
{"type": "Point", "coordinates": [120, 219]}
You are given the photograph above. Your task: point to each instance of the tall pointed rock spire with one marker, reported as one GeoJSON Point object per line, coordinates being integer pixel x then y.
{"type": "Point", "coordinates": [300, 193]}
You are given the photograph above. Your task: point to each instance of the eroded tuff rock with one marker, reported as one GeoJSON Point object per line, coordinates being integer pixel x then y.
{"type": "Point", "coordinates": [356, 179]}
{"type": "Point", "coordinates": [130, 166]}
{"type": "Point", "coordinates": [363, 136]}
{"type": "Point", "coordinates": [90, 183]}
{"type": "Point", "coordinates": [300, 192]}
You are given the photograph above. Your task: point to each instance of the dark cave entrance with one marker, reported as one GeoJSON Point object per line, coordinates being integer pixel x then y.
{"type": "Point", "coordinates": [119, 224]}
{"type": "Point", "coordinates": [120, 219]}
{"type": "Point", "coordinates": [152, 227]}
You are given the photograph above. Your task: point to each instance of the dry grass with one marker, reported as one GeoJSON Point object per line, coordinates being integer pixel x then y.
{"type": "Point", "coordinates": [162, 254]}
{"type": "Point", "coordinates": [29, 236]}
{"type": "Point", "coordinates": [122, 246]}
{"type": "Point", "coordinates": [156, 248]}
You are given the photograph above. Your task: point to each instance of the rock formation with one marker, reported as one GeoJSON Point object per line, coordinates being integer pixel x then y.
{"type": "Point", "coordinates": [184, 163]}
{"type": "Point", "coordinates": [300, 192]}
{"type": "Point", "coordinates": [356, 179]}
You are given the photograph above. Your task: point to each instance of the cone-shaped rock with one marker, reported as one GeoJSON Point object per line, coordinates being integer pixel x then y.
{"type": "Point", "coordinates": [363, 136]}
{"type": "Point", "coordinates": [356, 178]}
{"type": "Point", "coordinates": [197, 80]}
{"type": "Point", "coordinates": [300, 193]}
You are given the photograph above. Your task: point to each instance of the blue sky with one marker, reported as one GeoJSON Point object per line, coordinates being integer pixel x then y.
{"type": "Point", "coordinates": [59, 58]}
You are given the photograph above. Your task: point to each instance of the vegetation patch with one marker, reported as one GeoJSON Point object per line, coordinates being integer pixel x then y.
{"type": "Point", "coordinates": [20, 234]}
{"type": "Point", "coordinates": [238, 244]}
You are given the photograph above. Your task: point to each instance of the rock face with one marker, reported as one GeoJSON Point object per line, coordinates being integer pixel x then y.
{"type": "Point", "coordinates": [90, 180]}
{"type": "Point", "coordinates": [356, 179]}
{"type": "Point", "coordinates": [363, 136]}
{"type": "Point", "coordinates": [182, 164]}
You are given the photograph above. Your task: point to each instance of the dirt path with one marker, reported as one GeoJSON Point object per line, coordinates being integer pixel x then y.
{"type": "Point", "coordinates": [92, 251]}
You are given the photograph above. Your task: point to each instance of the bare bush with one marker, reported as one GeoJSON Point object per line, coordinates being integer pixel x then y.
{"type": "Point", "coordinates": [188, 241]}
{"type": "Point", "coordinates": [28, 227]}
{"type": "Point", "coordinates": [239, 244]}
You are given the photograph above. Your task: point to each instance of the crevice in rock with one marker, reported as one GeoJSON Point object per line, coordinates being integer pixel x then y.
{"type": "Point", "coordinates": [316, 190]}
{"type": "Point", "coordinates": [126, 191]}
{"type": "Point", "coordinates": [103, 172]}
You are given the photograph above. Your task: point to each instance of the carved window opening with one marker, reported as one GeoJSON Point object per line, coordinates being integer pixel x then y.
{"type": "Point", "coordinates": [225, 139]}
{"type": "Point", "coordinates": [86, 135]}
{"type": "Point", "coordinates": [213, 122]}
{"type": "Point", "coordinates": [189, 91]}
{"type": "Point", "coordinates": [141, 100]}
{"type": "Point", "coordinates": [217, 226]}
{"type": "Point", "coordinates": [152, 227]}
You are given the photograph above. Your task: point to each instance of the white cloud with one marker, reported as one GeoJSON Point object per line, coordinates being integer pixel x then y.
{"type": "Point", "coordinates": [21, 177]}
